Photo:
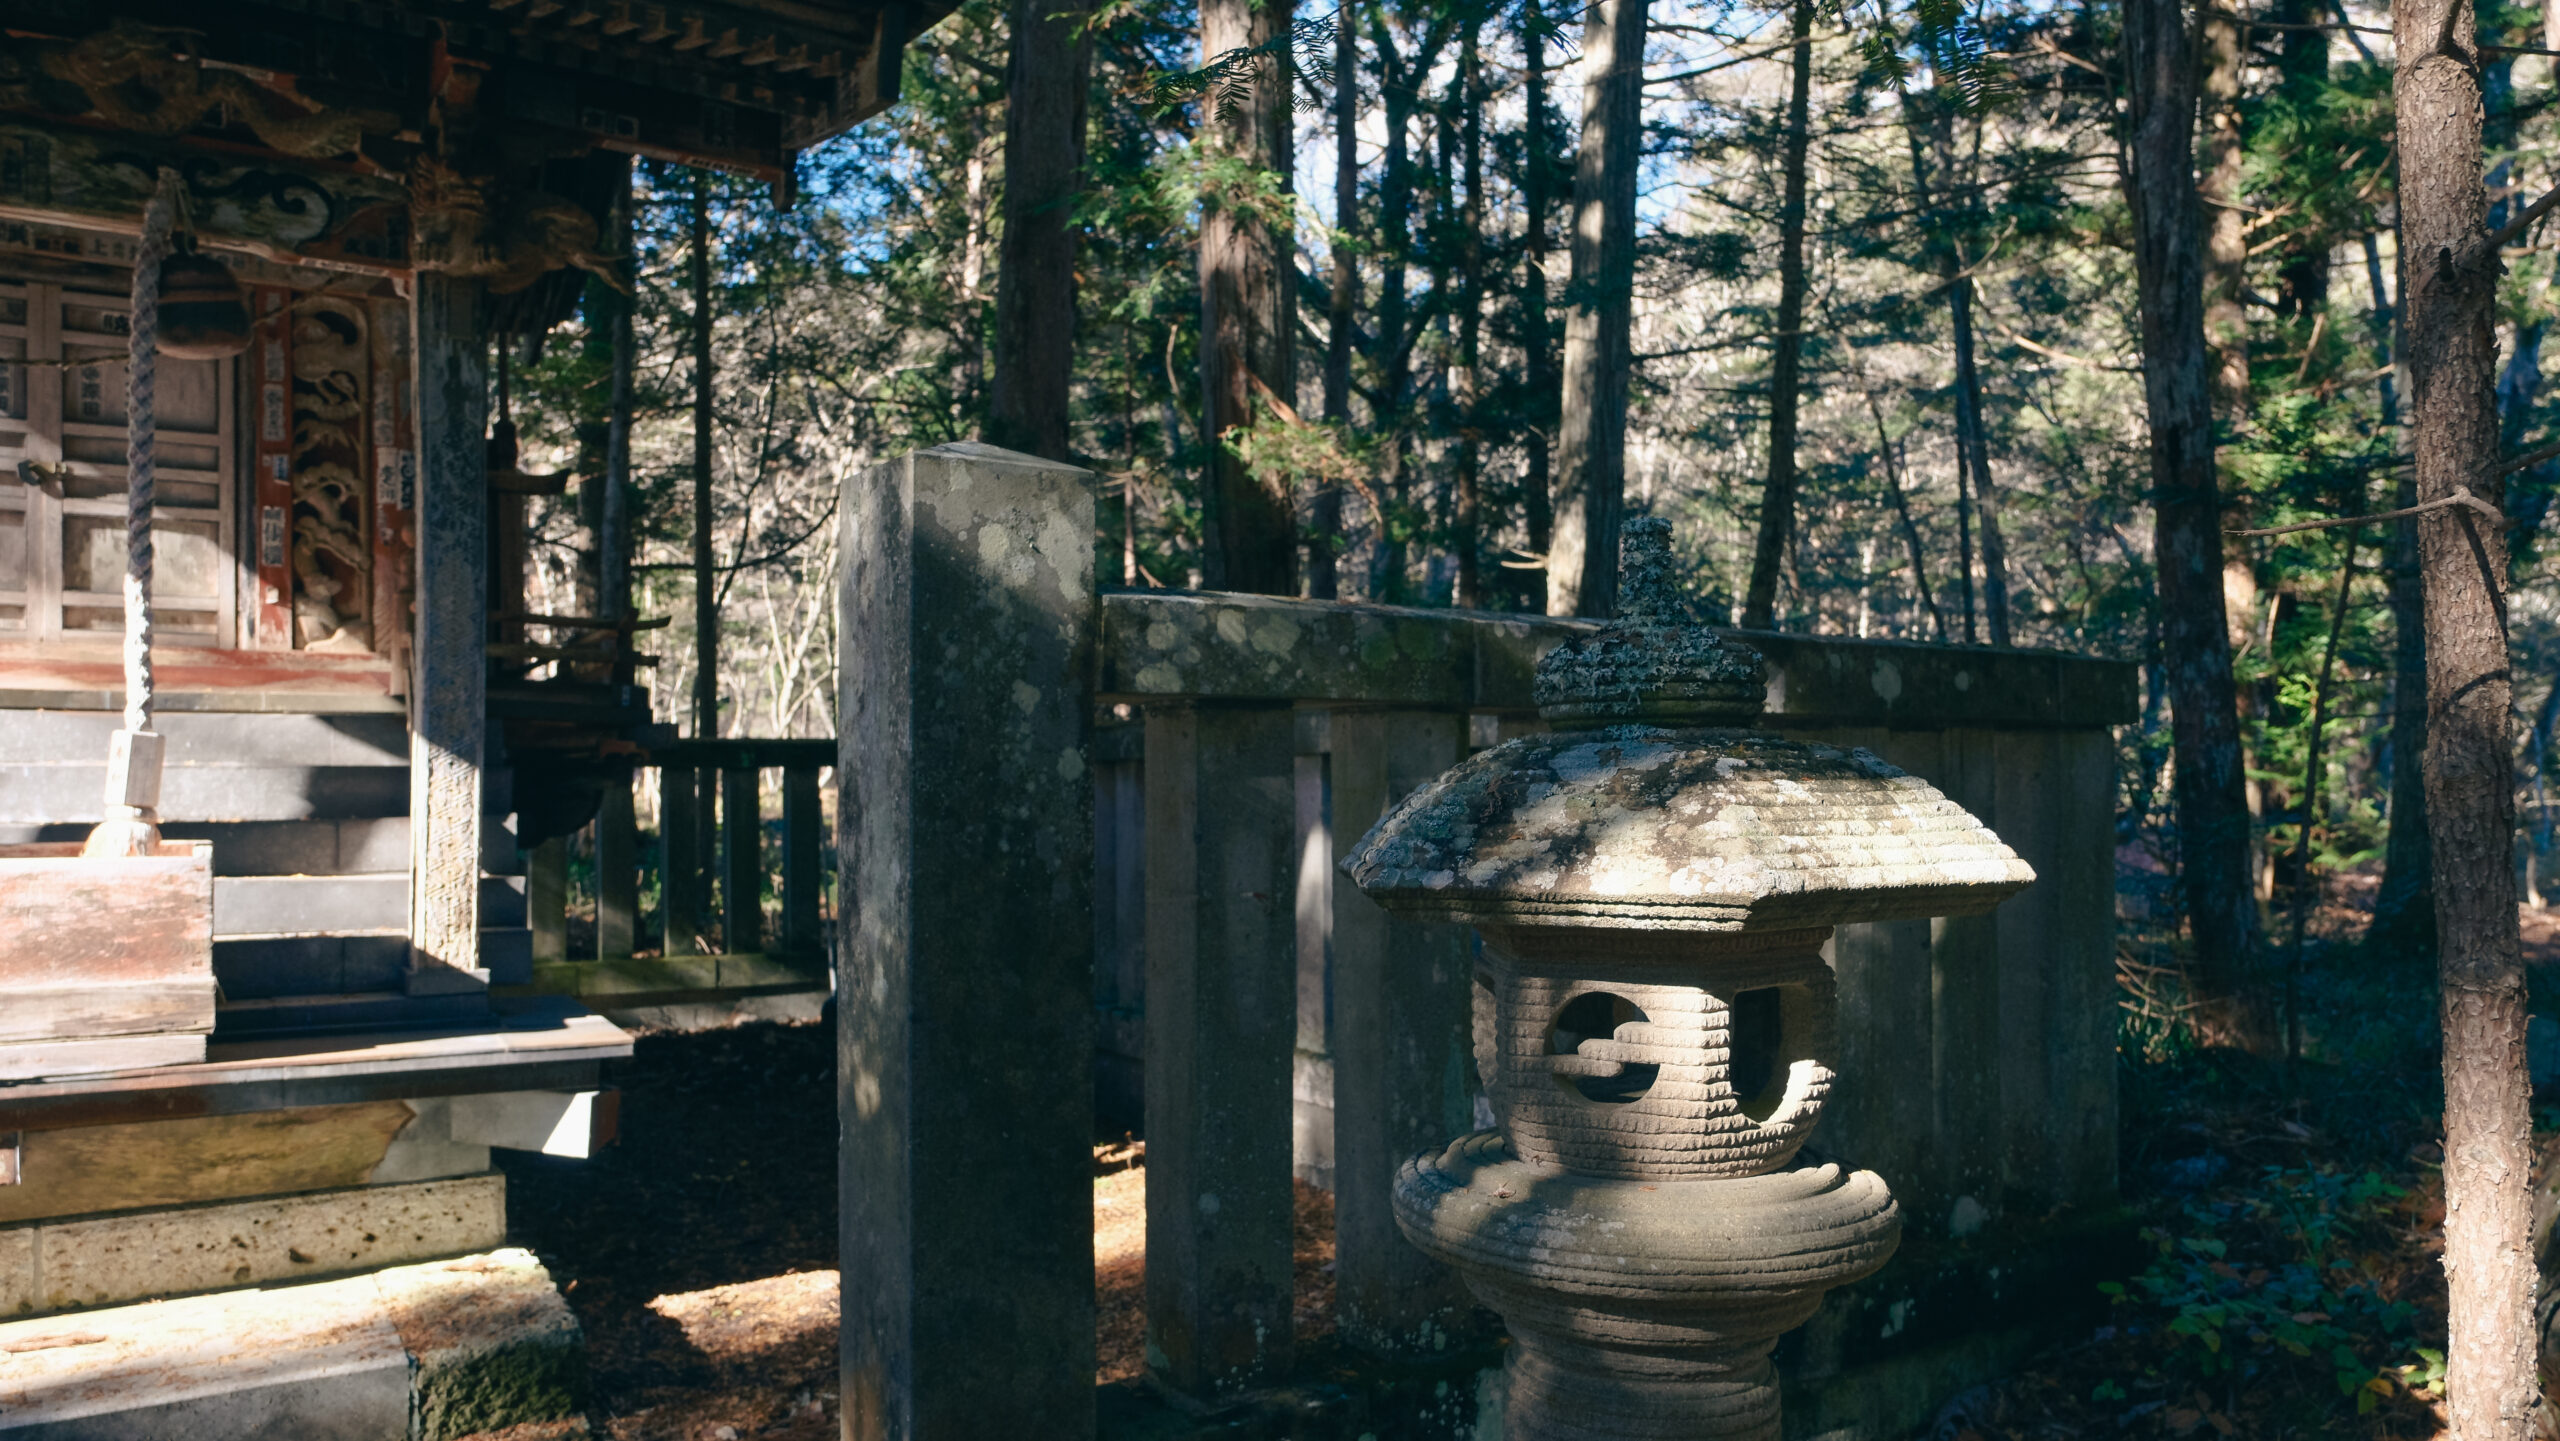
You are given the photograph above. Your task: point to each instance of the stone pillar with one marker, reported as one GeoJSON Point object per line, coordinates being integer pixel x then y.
{"type": "Point", "coordinates": [448, 696]}
{"type": "Point", "coordinates": [680, 878]}
{"type": "Point", "coordinates": [742, 861]}
{"type": "Point", "coordinates": [803, 869]}
{"type": "Point", "coordinates": [965, 1071]}
{"type": "Point", "coordinates": [617, 871]}
{"type": "Point", "coordinates": [1221, 1030]}
{"type": "Point", "coordinates": [546, 899]}
{"type": "Point", "coordinates": [1401, 1058]}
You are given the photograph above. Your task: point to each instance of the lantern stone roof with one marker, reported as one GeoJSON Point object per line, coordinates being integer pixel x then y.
{"type": "Point", "coordinates": [1683, 826]}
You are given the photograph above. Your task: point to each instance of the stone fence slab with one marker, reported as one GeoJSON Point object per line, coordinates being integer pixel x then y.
{"type": "Point", "coordinates": [1160, 645]}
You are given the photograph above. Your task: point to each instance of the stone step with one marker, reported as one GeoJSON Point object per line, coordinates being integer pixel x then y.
{"type": "Point", "coordinates": [311, 905]}
{"type": "Point", "coordinates": [36, 793]}
{"type": "Point", "coordinates": [390, 1010]}
{"type": "Point", "coordinates": [341, 905]}
{"type": "Point", "coordinates": [432, 1350]}
{"type": "Point", "coordinates": [355, 845]}
{"type": "Point", "coordinates": [271, 966]}
{"type": "Point", "coordinates": [205, 739]}
{"type": "Point", "coordinates": [259, 968]}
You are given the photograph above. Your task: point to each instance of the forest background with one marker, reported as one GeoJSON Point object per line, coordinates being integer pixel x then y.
{"type": "Point", "coordinates": [1970, 457]}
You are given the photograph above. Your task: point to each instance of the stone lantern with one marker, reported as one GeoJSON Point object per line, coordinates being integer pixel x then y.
{"type": "Point", "coordinates": [1654, 881]}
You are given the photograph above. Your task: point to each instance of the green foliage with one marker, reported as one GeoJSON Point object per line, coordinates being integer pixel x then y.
{"type": "Point", "coordinates": [1297, 57]}
{"type": "Point", "coordinates": [1946, 35]}
{"type": "Point", "coordinates": [2277, 1278]}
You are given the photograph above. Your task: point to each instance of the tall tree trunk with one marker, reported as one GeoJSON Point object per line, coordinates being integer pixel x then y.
{"type": "Point", "coordinates": [2304, 66]}
{"type": "Point", "coordinates": [706, 599]}
{"type": "Point", "coordinates": [1786, 369]}
{"type": "Point", "coordinates": [2226, 252]}
{"type": "Point", "coordinates": [1537, 190]}
{"type": "Point", "coordinates": [2213, 818]}
{"type": "Point", "coordinates": [1324, 522]}
{"type": "Point", "coordinates": [706, 596]}
{"type": "Point", "coordinates": [2404, 909]}
{"type": "Point", "coordinates": [1977, 458]}
{"type": "Point", "coordinates": [2448, 299]}
{"type": "Point", "coordinates": [1468, 382]}
{"type": "Point", "coordinates": [613, 539]}
{"type": "Point", "coordinates": [2222, 43]}
{"type": "Point", "coordinates": [1045, 84]}
{"type": "Point", "coordinates": [1394, 349]}
{"type": "Point", "coordinates": [1948, 257]}
{"type": "Point", "coordinates": [973, 268]}
{"type": "Point", "coordinates": [1591, 452]}
{"type": "Point", "coordinates": [1247, 311]}
{"type": "Point", "coordinates": [1887, 452]}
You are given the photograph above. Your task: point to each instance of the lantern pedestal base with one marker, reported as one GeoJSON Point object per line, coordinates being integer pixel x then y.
{"type": "Point", "coordinates": [1643, 1310]}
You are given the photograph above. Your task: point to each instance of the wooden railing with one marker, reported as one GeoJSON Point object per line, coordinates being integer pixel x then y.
{"type": "Point", "coordinates": [989, 841]}
{"type": "Point", "coordinates": [712, 858]}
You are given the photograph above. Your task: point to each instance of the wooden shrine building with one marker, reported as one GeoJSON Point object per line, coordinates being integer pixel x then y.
{"type": "Point", "coordinates": [400, 186]}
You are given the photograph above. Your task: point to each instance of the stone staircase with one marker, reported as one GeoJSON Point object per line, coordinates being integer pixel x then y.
{"type": "Point", "coordinates": [308, 815]}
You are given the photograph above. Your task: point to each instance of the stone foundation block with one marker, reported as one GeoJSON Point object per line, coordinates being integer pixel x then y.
{"type": "Point", "coordinates": [429, 1352]}
{"type": "Point", "coordinates": [112, 1259]}
{"type": "Point", "coordinates": [490, 1341]}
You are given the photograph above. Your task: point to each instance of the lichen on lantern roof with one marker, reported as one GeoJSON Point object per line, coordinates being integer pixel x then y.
{"type": "Point", "coordinates": [1681, 819]}
{"type": "Point", "coordinates": [1687, 829]}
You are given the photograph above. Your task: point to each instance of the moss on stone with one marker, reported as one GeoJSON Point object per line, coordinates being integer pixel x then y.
{"type": "Point", "coordinates": [529, 1381]}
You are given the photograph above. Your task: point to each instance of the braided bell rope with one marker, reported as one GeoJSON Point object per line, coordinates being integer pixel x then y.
{"type": "Point", "coordinates": [141, 350]}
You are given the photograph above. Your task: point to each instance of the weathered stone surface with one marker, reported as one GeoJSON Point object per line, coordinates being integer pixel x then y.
{"type": "Point", "coordinates": [17, 1271]}
{"type": "Point", "coordinates": [1400, 1071]}
{"type": "Point", "coordinates": [1653, 665]}
{"type": "Point", "coordinates": [1175, 644]}
{"type": "Point", "coordinates": [965, 1057]}
{"type": "Point", "coordinates": [122, 1258]}
{"type": "Point", "coordinates": [491, 1343]}
{"type": "Point", "coordinates": [1693, 829]}
{"type": "Point", "coordinates": [414, 1353]}
{"type": "Point", "coordinates": [1693, 1116]}
{"type": "Point", "coordinates": [1221, 1027]}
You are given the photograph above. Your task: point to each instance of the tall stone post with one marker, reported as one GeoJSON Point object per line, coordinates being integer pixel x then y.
{"type": "Point", "coordinates": [1400, 1063]}
{"type": "Point", "coordinates": [1654, 883]}
{"type": "Point", "coordinates": [965, 964]}
{"type": "Point", "coordinates": [1221, 1029]}
{"type": "Point", "coordinates": [448, 705]}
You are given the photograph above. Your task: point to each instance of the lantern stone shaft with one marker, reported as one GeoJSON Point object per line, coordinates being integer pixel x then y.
{"type": "Point", "coordinates": [1654, 881]}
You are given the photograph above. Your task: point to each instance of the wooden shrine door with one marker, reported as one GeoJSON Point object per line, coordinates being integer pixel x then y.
{"type": "Point", "coordinates": [62, 476]}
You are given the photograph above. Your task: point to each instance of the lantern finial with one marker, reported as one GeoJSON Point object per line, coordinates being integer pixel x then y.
{"type": "Point", "coordinates": [1655, 664]}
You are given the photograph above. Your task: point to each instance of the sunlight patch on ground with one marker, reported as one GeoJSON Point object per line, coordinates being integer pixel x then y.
{"type": "Point", "coordinates": [734, 1322]}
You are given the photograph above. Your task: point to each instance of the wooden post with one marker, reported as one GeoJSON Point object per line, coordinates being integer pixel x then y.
{"type": "Point", "coordinates": [965, 988]}
{"type": "Point", "coordinates": [742, 862]}
{"type": "Point", "coordinates": [546, 899]}
{"type": "Point", "coordinates": [617, 872]}
{"type": "Point", "coordinates": [448, 706]}
{"type": "Point", "coordinates": [1222, 1024]}
{"type": "Point", "coordinates": [679, 876]}
{"type": "Point", "coordinates": [1403, 1072]}
{"type": "Point", "coordinates": [803, 868]}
